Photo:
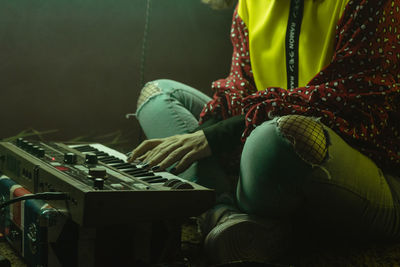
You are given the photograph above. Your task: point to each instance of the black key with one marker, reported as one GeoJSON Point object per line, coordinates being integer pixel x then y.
{"type": "Point", "coordinates": [134, 170]}
{"type": "Point", "coordinates": [148, 179]}
{"type": "Point", "coordinates": [117, 161]}
{"type": "Point", "coordinates": [93, 150]}
{"type": "Point", "coordinates": [108, 157]}
{"type": "Point", "coordinates": [171, 182]}
{"type": "Point", "coordinates": [182, 185]}
{"type": "Point", "coordinates": [111, 160]}
{"type": "Point", "coordinates": [83, 147]}
{"type": "Point", "coordinates": [140, 174]}
{"type": "Point", "coordinates": [123, 165]}
{"type": "Point", "coordinates": [105, 158]}
{"type": "Point", "coordinates": [101, 154]}
{"type": "Point", "coordinates": [129, 168]}
{"type": "Point", "coordinates": [145, 174]}
{"type": "Point", "coordinates": [160, 180]}
{"type": "Point", "coordinates": [86, 149]}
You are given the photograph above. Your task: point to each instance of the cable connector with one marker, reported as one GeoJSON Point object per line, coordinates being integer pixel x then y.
{"type": "Point", "coordinates": [42, 196]}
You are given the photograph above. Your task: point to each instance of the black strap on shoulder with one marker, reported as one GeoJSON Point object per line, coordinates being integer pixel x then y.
{"type": "Point", "coordinates": [292, 42]}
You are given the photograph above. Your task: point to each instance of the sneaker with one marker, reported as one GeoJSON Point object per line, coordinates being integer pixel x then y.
{"type": "Point", "coordinates": [241, 237]}
{"type": "Point", "coordinates": [218, 214]}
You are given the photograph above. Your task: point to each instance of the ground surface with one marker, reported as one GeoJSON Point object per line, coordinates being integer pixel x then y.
{"type": "Point", "coordinates": [306, 253]}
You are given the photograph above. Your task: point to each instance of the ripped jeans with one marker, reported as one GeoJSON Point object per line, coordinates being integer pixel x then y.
{"type": "Point", "coordinates": [338, 190]}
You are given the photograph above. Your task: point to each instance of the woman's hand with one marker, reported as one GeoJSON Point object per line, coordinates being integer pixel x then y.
{"type": "Point", "coordinates": [163, 152]}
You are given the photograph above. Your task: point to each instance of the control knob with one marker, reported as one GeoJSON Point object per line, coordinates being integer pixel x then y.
{"type": "Point", "coordinates": [70, 158]}
{"type": "Point", "coordinates": [29, 147]}
{"type": "Point", "coordinates": [40, 153]}
{"type": "Point", "coordinates": [91, 158]}
{"type": "Point", "coordinates": [35, 150]}
{"type": "Point", "coordinates": [98, 172]}
{"type": "Point", "coordinates": [19, 142]}
{"type": "Point", "coordinates": [24, 144]}
{"type": "Point", "coordinates": [98, 183]}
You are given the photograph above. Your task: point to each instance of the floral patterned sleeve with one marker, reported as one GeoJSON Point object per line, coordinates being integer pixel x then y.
{"type": "Point", "coordinates": [229, 92]}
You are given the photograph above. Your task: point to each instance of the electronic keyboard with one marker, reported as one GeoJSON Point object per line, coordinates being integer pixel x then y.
{"type": "Point", "coordinates": [102, 187]}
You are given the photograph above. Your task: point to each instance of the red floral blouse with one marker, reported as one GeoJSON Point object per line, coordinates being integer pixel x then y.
{"type": "Point", "coordinates": [357, 95]}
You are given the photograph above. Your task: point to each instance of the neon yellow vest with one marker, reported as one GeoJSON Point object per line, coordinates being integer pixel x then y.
{"type": "Point", "coordinates": [266, 21]}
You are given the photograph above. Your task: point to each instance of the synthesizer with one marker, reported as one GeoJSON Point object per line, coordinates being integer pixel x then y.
{"type": "Point", "coordinates": [102, 187]}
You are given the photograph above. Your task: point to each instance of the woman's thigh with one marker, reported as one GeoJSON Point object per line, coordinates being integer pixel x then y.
{"type": "Point", "coordinates": [166, 108]}
{"type": "Point", "coordinates": [345, 193]}
{"type": "Point", "coordinates": [351, 191]}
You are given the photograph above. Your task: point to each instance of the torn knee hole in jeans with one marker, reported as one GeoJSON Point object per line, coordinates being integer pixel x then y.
{"type": "Point", "coordinates": [149, 90]}
{"type": "Point", "coordinates": [308, 137]}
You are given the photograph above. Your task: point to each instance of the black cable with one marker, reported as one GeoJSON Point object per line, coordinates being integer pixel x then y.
{"type": "Point", "coordinates": [43, 196]}
{"type": "Point", "coordinates": [143, 56]}
{"type": "Point", "coordinates": [144, 43]}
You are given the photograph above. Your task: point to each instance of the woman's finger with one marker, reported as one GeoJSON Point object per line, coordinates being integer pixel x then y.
{"type": "Point", "coordinates": [187, 160]}
{"type": "Point", "coordinates": [143, 148]}
{"type": "Point", "coordinates": [161, 151]}
{"type": "Point", "coordinates": [157, 158]}
{"type": "Point", "coordinates": [144, 156]}
{"type": "Point", "coordinates": [173, 157]}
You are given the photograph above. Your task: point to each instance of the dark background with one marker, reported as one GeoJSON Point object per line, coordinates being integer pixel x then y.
{"type": "Point", "coordinates": [70, 69]}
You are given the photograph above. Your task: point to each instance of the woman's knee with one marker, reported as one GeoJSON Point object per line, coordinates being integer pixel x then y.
{"type": "Point", "coordinates": [152, 89]}
{"type": "Point", "coordinates": [269, 144]}
{"type": "Point", "coordinates": [167, 107]}
{"type": "Point", "coordinates": [276, 158]}
{"type": "Point", "coordinates": [307, 135]}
